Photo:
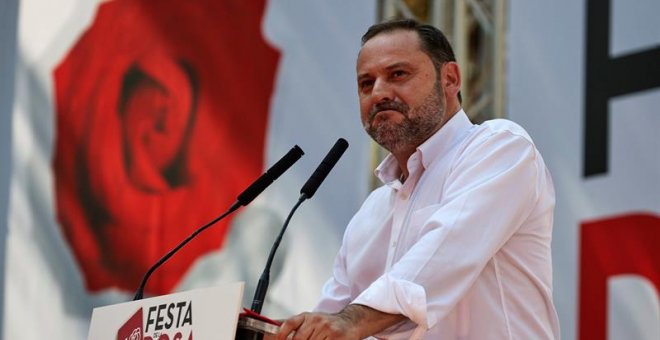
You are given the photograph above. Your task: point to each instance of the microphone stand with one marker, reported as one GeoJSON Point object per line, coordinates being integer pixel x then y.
{"type": "Point", "coordinates": [307, 191]}
{"type": "Point", "coordinates": [262, 286]}
{"type": "Point", "coordinates": [247, 333]}
{"type": "Point", "coordinates": [243, 199]}
{"type": "Point", "coordinates": [140, 291]}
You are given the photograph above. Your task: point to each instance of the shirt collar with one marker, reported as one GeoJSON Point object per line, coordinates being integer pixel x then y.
{"type": "Point", "coordinates": [436, 146]}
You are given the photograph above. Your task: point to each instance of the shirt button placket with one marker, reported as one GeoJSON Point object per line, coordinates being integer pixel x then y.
{"type": "Point", "coordinates": [399, 211]}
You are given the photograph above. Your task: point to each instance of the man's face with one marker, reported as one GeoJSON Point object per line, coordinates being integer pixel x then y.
{"type": "Point", "coordinates": [401, 100]}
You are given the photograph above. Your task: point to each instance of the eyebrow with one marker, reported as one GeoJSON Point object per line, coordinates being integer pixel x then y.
{"type": "Point", "coordinates": [398, 65]}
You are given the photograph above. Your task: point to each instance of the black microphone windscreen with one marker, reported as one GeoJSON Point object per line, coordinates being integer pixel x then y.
{"type": "Point", "coordinates": [285, 163]}
{"type": "Point", "coordinates": [270, 175]}
{"type": "Point", "coordinates": [324, 168]}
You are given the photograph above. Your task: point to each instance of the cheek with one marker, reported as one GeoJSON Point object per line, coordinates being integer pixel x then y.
{"type": "Point", "coordinates": [365, 107]}
{"type": "Point", "coordinates": [415, 94]}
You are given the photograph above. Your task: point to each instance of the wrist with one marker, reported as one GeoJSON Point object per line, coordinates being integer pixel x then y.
{"type": "Point", "coordinates": [354, 316]}
{"type": "Point", "coordinates": [363, 321]}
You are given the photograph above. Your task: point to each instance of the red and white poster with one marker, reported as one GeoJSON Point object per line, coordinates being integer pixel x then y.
{"type": "Point", "coordinates": [138, 121]}
{"type": "Point", "coordinates": [150, 118]}
{"type": "Point", "coordinates": [584, 80]}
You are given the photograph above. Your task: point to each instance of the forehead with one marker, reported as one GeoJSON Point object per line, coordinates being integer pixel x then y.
{"type": "Point", "coordinates": [385, 49]}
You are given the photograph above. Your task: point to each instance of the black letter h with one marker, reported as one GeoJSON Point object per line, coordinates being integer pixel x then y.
{"type": "Point", "coordinates": [607, 78]}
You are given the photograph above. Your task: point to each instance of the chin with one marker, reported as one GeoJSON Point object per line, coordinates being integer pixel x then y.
{"type": "Point", "coordinates": [387, 140]}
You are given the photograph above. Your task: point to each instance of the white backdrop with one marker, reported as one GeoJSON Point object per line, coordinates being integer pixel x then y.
{"type": "Point", "coordinates": [546, 95]}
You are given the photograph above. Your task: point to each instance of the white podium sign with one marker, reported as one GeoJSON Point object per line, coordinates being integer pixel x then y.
{"type": "Point", "coordinates": [209, 313]}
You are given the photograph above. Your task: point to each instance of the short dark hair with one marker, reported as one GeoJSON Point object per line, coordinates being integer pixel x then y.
{"type": "Point", "coordinates": [433, 42]}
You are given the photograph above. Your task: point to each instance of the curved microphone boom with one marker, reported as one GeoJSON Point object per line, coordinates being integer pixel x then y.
{"type": "Point", "coordinates": [307, 191]}
{"type": "Point", "coordinates": [243, 199]}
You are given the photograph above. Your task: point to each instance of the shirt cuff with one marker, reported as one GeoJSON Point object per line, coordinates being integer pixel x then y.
{"type": "Point", "coordinates": [396, 296]}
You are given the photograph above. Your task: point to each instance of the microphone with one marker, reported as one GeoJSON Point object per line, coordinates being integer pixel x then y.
{"type": "Point", "coordinates": [324, 168]}
{"type": "Point", "coordinates": [307, 191]}
{"type": "Point", "coordinates": [269, 176]}
{"type": "Point", "coordinates": [243, 199]}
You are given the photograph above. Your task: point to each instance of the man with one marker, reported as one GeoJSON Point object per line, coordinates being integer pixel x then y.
{"type": "Point", "coordinates": [456, 244]}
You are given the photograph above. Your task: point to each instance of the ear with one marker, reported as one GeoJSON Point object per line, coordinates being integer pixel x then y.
{"type": "Point", "coordinates": [451, 80]}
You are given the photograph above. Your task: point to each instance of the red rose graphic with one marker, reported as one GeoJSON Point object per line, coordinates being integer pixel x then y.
{"type": "Point", "coordinates": [132, 328]}
{"type": "Point", "coordinates": [161, 116]}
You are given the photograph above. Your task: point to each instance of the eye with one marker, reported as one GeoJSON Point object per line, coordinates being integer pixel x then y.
{"type": "Point", "coordinates": [365, 84]}
{"type": "Point", "coordinates": [398, 73]}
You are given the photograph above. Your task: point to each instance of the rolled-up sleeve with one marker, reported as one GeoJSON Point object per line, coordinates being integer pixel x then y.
{"type": "Point", "coordinates": [335, 294]}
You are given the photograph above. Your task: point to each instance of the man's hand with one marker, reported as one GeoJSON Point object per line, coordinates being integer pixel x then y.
{"type": "Point", "coordinates": [317, 326]}
{"type": "Point", "coordinates": [352, 323]}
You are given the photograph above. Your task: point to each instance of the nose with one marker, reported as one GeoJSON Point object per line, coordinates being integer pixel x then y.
{"type": "Point", "coordinates": [382, 91]}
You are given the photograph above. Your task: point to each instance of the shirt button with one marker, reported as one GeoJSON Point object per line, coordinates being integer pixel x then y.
{"type": "Point", "coordinates": [404, 196]}
{"type": "Point", "coordinates": [393, 244]}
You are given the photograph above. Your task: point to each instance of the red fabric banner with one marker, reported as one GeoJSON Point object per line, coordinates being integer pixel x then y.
{"type": "Point", "coordinates": [162, 108]}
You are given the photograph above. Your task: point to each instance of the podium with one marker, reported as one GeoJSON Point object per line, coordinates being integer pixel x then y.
{"type": "Point", "coordinates": [200, 314]}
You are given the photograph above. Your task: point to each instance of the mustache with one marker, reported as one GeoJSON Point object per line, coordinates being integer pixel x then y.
{"type": "Point", "coordinates": [388, 105]}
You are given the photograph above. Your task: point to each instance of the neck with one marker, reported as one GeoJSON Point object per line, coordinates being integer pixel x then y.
{"type": "Point", "coordinates": [402, 158]}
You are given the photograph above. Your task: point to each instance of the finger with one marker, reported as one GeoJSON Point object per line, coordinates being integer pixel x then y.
{"type": "Point", "coordinates": [310, 329]}
{"type": "Point", "coordinates": [305, 331]}
{"type": "Point", "coordinates": [289, 326]}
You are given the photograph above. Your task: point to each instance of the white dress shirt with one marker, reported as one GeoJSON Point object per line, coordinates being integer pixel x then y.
{"type": "Point", "coordinates": [462, 247]}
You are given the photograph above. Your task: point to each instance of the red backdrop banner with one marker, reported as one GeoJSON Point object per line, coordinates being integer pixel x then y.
{"type": "Point", "coordinates": [162, 108]}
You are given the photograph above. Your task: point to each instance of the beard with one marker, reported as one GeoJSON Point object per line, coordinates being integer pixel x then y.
{"type": "Point", "coordinates": [417, 126]}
